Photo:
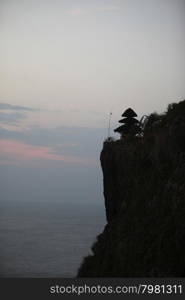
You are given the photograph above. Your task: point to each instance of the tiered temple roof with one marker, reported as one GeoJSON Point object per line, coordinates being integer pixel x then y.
{"type": "Point", "coordinates": [130, 123]}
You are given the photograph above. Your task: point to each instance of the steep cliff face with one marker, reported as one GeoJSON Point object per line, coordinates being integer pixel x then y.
{"type": "Point", "coordinates": [144, 189]}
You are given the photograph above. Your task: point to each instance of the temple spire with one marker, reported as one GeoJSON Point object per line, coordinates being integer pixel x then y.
{"type": "Point", "coordinates": [131, 125]}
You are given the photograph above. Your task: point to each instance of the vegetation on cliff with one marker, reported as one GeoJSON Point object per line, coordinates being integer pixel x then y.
{"type": "Point", "coordinates": [144, 191]}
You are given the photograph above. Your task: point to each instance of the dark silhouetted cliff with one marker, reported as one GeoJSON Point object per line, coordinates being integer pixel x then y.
{"type": "Point", "coordinates": [144, 189]}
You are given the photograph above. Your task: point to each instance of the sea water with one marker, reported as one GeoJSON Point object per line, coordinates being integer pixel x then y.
{"type": "Point", "coordinates": [46, 239]}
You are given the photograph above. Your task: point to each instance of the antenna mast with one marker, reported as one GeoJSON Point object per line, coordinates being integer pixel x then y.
{"type": "Point", "coordinates": [110, 115]}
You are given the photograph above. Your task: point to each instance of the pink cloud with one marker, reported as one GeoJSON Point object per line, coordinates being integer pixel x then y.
{"type": "Point", "coordinates": [22, 151]}
{"type": "Point", "coordinates": [76, 12]}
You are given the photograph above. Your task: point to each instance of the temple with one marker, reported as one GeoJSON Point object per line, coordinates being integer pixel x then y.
{"type": "Point", "coordinates": [131, 125]}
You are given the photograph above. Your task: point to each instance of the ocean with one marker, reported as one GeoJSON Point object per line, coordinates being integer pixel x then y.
{"type": "Point", "coordinates": [47, 239]}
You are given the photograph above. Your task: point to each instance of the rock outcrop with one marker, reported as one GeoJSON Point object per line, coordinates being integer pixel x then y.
{"type": "Point", "coordinates": [144, 189]}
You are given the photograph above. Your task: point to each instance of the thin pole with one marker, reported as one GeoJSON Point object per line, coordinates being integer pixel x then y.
{"type": "Point", "coordinates": [109, 124]}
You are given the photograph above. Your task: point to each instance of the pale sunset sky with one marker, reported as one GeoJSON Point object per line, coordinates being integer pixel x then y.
{"type": "Point", "coordinates": [65, 65]}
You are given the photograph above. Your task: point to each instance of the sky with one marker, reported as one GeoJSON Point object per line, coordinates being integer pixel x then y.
{"type": "Point", "coordinates": [65, 65]}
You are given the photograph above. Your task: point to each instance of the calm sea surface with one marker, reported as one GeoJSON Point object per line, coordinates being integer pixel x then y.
{"type": "Point", "coordinates": [46, 239]}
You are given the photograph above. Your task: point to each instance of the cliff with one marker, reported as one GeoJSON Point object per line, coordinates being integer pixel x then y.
{"type": "Point", "coordinates": [144, 189]}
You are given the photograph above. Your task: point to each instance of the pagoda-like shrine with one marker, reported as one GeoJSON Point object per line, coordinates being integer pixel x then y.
{"type": "Point", "coordinates": [131, 125]}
